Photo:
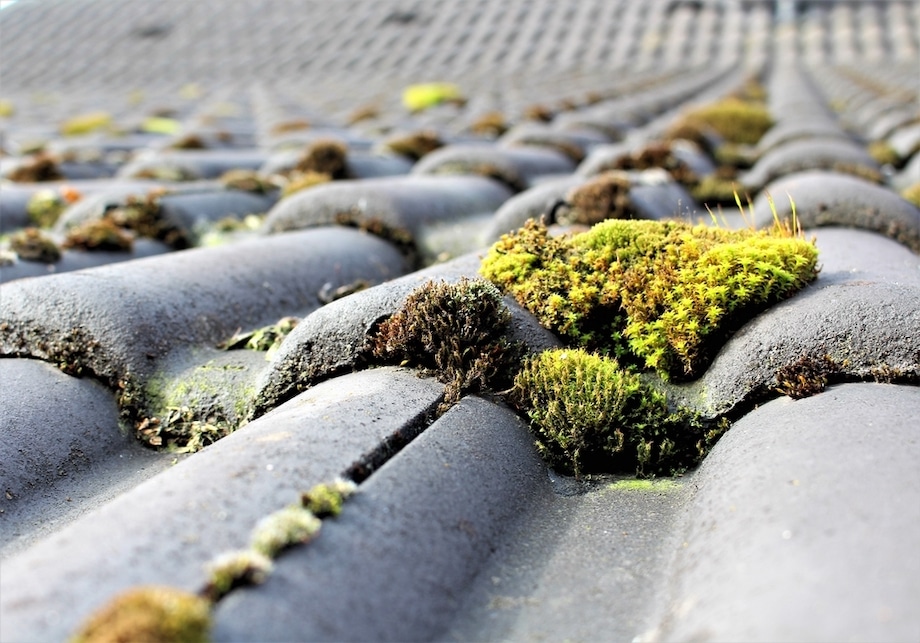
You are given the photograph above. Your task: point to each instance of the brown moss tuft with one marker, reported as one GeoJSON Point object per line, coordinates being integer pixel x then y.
{"type": "Point", "coordinates": [539, 113]}
{"type": "Point", "coordinates": [454, 331]}
{"type": "Point", "coordinates": [302, 180]}
{"type": "Point", "coordinates": [363, 113]}
{"type": "Point", "coordinates": [604, 197]}
{"type": "Point", "coordinates": [189, 142]}
{"type": "Point", "coordinates": [805, 377]}
{"type": "Point", "coordinates": [657, 155]}
{"type": "Point", "coordinates": [99, 235]}
{"type": "Point", "coordinates": [912, 194]}
{"type": "Point", "coordinates": [247, 181]}
{"type": "Point", "coordinates": [32, 244]}
{"type": "Point", "coordinates": [150, 613]}
{"type": "Point", "coordinates": [415, 145]}
{"type": "Point", "coordinates": [325, 156]}
{"type": "Point", "coordinates": [41, 167]}
{"type": "Point", "coordinates": [144, 216]}
{"type": "Point", "coordinates": [490, 124]}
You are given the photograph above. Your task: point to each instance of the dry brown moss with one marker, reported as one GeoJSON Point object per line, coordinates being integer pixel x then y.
{"type": "Point", "coordinates": [657, 155]}
{"type": "Point", "coordinates": [414, 145]}
{"type": "Point", "coordinates": [912, 194]}
{"type": "Point", "coordinates": [247, 181]}
{"type": "Point", "coordinates": [41, 167]}
{"type": "Point", "coordinates": [295, 125]}
{"type": "Point", "coordinates": [539, 113]}
{"type": "Point", "coordinates": [325, 156]}
{"type": "Point", "coordinates": [604, 197]}
{"type": "Point", "coordinates": [363, 113]}
{"type": "Point", "coordinates": [189, 142]}
{"type": "Point", "coordinates": [805, 377]}
{"type": "Point", "coordinates": [491, 124]}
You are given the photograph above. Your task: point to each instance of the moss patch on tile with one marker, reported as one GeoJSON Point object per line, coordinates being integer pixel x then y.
{"type": "Point", "coordinates": [645, 485]}
{"type": "Point", "coordinates": [737, 120]}
{"type": "Point", "coordinates": [235, 569]}
{"type": "Point", "coordinates": [414, 145]}
{"type": "Point", "coordinates": [590, 415]}
{"type": "Point", "coordinates": [39, 168]}
{"type": "Point", "coordinates": [662, 295]}
{"type": "Point", "coordinates": [324, 156]}
{"type": "Point", "coordinates": [31, 244]}
{"type": "Point", "coordinates": [455, 331]}
{"type": "Point", "coordinates": [86, 123]}
{"type": "Point", "coordinates": [99, 235]}
{"type": "Point", "coordinates": [151, 613]}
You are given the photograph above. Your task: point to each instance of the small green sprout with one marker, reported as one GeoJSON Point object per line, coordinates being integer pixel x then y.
{"type": "Point", "coordinates": [284, 528]}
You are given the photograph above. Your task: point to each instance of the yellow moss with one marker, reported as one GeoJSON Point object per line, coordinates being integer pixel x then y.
{"type": "Point", "coordinates": [149, 614]}
{"type": "Point", "coordinates": [664, 294]}
{"type": "Point", "coordinates": [912, 194]}
{"type": "Point", "coordinates": [86, 123]}
{"type": "Point", "coordinates": [282, 529]}
{"type": "Point", "coordinates": [236, 569]}
{"type": "Point", "coordinates": [303, 180]}
{"type": "Point", "coordinates": [326, 499]}
{"type": "Point", "coordinates": [295, 125]}
{"type": "Point", "coordinates": [7, 108]}
{"type": "Point", "coordinates": [884, 154]}
{"type": "Point", "coordinates": [422, 96]}
{"type": "Point", "coordinates": [45, 207]}
{"type": "Point", "coordinates": [736, 120]}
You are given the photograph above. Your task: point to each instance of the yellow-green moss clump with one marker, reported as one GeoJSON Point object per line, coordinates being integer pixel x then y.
{"type": "Point", "coordinates": [86, 123]}
{"type": "Point", "coordinates": [663, 294]}
{"type": "Point", "coordinates": [236, 569]}
{"type": "Point", "coordinates": [912, 194]}
{"type": "Point", "coordinates": [457, 331]}
{"type": "Point", "coordinates": [268, 338]}
{"type": "Point", "coordinates": [149, 614]}
{"type": "Point", "coordinates": [591, 415]}
{"type": "Point", "coordinates": [325, 500]}
{"type": "Point", "coordinates": [734, 119]}
{"type": "Point", "coordinates": [284, 528]}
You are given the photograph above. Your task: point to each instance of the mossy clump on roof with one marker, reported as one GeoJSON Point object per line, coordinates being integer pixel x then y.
{"type": "Point", "coordinates": [326, 499]}
{"type": "Point", "coordinates": [86, 123]}
{"type": "Point", "coordinates": [737, 119]}
{"type": "Point", "coordinates": [284, 528]}
{"type": "Point", "coordinates": [660, 294]}
{"type": "Point", "coordinates": [247, 181]}
{"type": "Point", "coordinates": [912, 194]}
{"type": "Point", "coordinates": [39, 168]}
{"type": "Point", "coordinates": [324, 156]}
{"type": "Point", "coordinates": [268, 338]}
{"type": "Point", "coordinates": [294, 125]}
{"type": "Point", "coordinates": [151, 613]}
{"type": "Point", "coordinates": [99, 235]}
{"type": "Point", "coordinates": [492, 124]}
{"type": "Point", "coordinates": [31, 244]}
{"type": "Point", "coordinates": [425, 95]}
{"type": "Point", "coordinates": [7, 108]}
{"type": "Point", "coordinates": [144, 216]}
{"type": "Point", "coordinates": [414, 145]}
{"type": "Point", "coordinates": [299, 181]}
{"type": "Point", "coordinates": [235, 569]}
{"type": "Point", "coordinates": [657, 155]}
{"type": "Point", "coordinates": [606, 196]}
{"type": "Point", "coordinates": [454, 330]}
{"type": "Point", "coordinates": [591, 415]}
{"type": "Point", "coordinates": [46, 206]}
{"type": "Point", "coordinates": [189, 142]}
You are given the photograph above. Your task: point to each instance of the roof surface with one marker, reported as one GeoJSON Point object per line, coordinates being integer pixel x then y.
{"type": "Point", "coordinates": [140, 439]}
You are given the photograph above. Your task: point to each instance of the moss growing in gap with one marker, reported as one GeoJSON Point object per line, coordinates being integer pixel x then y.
{"type": "Point", "coordinates": [42, 167]}
{"type": "Point", "coordinates": [734, 119]}
{"type": "Point", "coordinates": [660, 294]}
{"type": "Point", "coordinates": [454, 331]}
{"type": "Point", "coordinates": [32, 244]}
{"type": "Point", "coordinates": [414, 145]}
{"type": "Point", "coordinates": [235, 569]}
{"type": "Point", "coordinates": [325, 156]}
{"type": "Point", "coordinates": [268, 338]}
{"type": "Point", "coordinates": [298, 181]}
{"type": "Point", "coordinates": [805, 377]}
{"type": "Point", "coordinates": [284, 528]}
{"type": "Point", "coordinates": [657, 155]}
{"type": "Point", "coordinates": [606, 196]}
{"type": "Point", "coordinates": [325, 500]}
{"type": "Point", "coordinates": [591, 415]}
{"type": "Point", "coordinates": [149, 614]}
{"type": "Point", "coordinates": [491, 124]}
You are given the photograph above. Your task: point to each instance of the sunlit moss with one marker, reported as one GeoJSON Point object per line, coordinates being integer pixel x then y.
{"type": "Point", "coordinates": [32, 244]}
{"type": "Point", "coordinates": [149, 614]}
{"type": "Point", "coordinates": [284, 528]}
{"type": "Point", "coordinates": [86, 123]}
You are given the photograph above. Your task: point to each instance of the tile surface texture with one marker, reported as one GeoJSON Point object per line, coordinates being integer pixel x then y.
{"type": "Point", "coordinates": [159, 147]}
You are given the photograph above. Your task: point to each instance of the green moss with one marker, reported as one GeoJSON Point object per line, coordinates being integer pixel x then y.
{"type": "Point", "coordinates": [32, 244]}
{"type": "Point", "coordinates": [661, 485]}
{"type": "Point", "coordinates": [149, 614]}
{"type": "Point", "coordinates": [99, 235]}
{"type": "Point", "coordinates": [86, 123]}
{"type": "Point", "coordinates": [325, 500]}
{"type": "Point", "coordinates": [456, 331]}
{"type": "Point", "coordinates": [714, 190]}
{"type": "Point", "coordinates": [663, 293]}
{"type": "Point", "coordinates": [539, 113]}
{"type": "Point", "coordinates": [884, 154]}
{"type": "Point", "coordinates": [734, 119]}
{"type": "Point", "coordinates": [7, 108]}
{"type": "Point", "coordinates": [912, 194]}
{"type": "Point", "coordinates": [236, 569]}
{"type": "Point", "coordinates": [45, 207]}
{"type": "Point", "coordinates": [295, 125]}
{"type": "Point", "coordinates": [284, 528]}
{"type": "Point", "coordinates": [591, 415]}
{"type": "Point", "coordinates": [268, 338]}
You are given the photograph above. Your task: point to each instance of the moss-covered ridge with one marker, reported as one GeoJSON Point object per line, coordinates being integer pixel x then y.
{"type": "Point", "coordinates": [663, 295]}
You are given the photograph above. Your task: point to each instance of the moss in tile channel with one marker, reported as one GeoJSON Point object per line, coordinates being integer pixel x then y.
{"type": "Point", "coordinates": [163, 613]}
